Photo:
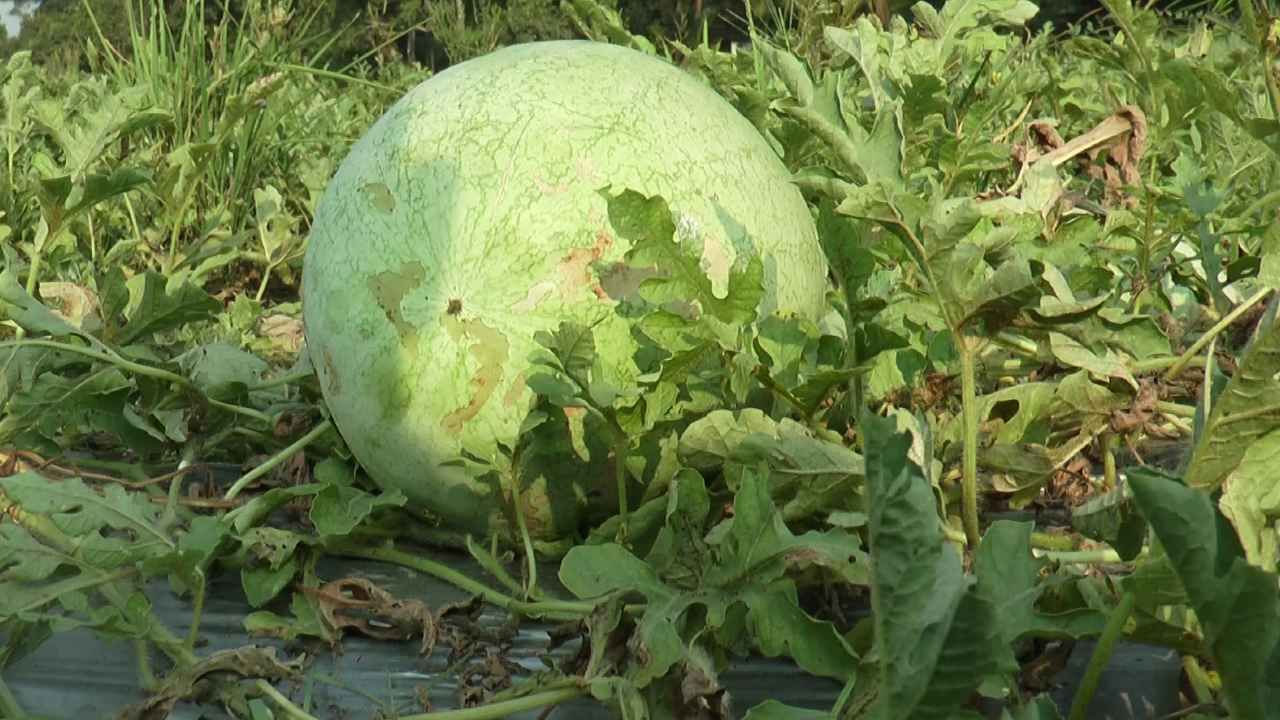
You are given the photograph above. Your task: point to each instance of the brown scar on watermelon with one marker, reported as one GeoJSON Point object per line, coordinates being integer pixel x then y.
{"type": "Point", "coordinates": [335, 383]}
{"type": "Point", "coordinates": [574, 269]}
{"type": "Point", "coordinates": [490, 350]}
{"type": "Point", "coordinates": [390, 287]}
{"type": "Point", "coordinates": [515, 391]}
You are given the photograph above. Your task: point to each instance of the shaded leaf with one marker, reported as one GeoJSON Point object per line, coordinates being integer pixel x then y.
{"type": "Point", "coordinates": [936, 638]}
{"type": "Point", "coordinates": [338, 509]}
{"type": "Point", "coordinates": [1238, 605]}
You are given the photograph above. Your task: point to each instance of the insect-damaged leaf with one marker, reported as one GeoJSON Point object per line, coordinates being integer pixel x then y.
{"type": "Point", "coordinates": [676, 253]}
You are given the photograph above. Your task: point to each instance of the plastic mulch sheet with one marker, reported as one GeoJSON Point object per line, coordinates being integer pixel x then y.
{"type": "Point", "coordinates": [78, 675]}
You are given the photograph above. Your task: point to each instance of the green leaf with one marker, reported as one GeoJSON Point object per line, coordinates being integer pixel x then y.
{"type": "Point", "coordinates": [1009, 579]}
{"type": "Point", "coordinates": [65, 407]}
{"type": "Point", "coordinates": [791, 70]}
{"type": "Point", "coordinates": [574, 348]}
{"type": "Point", "coordinates": [1112, 518]}
{"type": "Point", "coordinates": [959, 17]}
{"type": "Point", "coordinates": [78, 510]}
{"type": "Point", "coordinates": [675, 252]}
{"type": "Point", "coordinates": [305, 621]}
{"type": "Point", "coordinates": [101, 121]}
{"type": "Point", "coordinates": [592, 571]}
{"type": "Point", "coordinates": [1251, 501]}
{"type": "Point", "coordinates": [1269, 272]}
{"type": "Point", "coordinates": [23, 559]}
{"type": "Point", "coordinates": [680, 546]}
{"type": "Point", "coordinates": [1083, 395]}
{"type": "Point", "coordinates": [197, 548]}
{"type": "Point", "coordinates": [936, 638]}
{"type": "Point", "coordinates": [1063, 306]}
{"type": "Point", "coordinates": [845, 248]}
{"type": "Point", "coordinates": [749, 437]}
{"type": "Point", "coordinates": [157, 304]}
{"type": "Point", "coordinates": [622, 694]}
{"type": "Point", "coordinates": [996, 296]}
{"type": "Point", "coordinates": [221, 370]}
{"type": "Point", "coordinates": [275, 226]}
{"type": "Point", "coordinates": [249, 515]}
{"type": "Point", "coordinates": [1247, 409]}
{"type": "Point", "coordinates": [1070, 352]}
{"type": "Point", "coordinates": [741, 561]}
{"type": "Point", "coordinates": [1016, 410]}
{"type": "Point", "coordinates": [29, 313]}
{"type": "Point", "coordinates": [262, 583]}
{"type": "Point", "coordinates": [774, 710]}
{"type": "Point", "coordinates": [1237, 604]}
{"type": "Point", "coordinates": [780, 627]}
{"type": "Point", "coordinates": [72, 196]}
{"type": "Point", "coordinates": [1041, 707]}
{"type": "Point", "coordinates": [338, 509]}
{"type": "Point", "coordinates": [783, 345]}
{"type": "Point", "coordinates": [756, 544]}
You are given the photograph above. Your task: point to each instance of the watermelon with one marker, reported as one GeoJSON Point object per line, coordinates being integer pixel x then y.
{"type": "Point", "coordinates": [471, 216]}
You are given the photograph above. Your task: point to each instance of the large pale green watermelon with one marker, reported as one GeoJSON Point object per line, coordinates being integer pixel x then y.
{"type": "Point", "coordinates": [470, 216]}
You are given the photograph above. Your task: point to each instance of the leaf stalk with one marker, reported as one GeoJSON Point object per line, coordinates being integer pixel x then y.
{"type": "Point", "coordinates": [549, 609]}
{"type": "Point", "coordinates": [1101, 655]}
{"type": "Point", "coordinates": [969, 410]}
{"type": "Point", "coordinates": [276, 459]}
{"type": "Point", "coordinates": [1185, 359]}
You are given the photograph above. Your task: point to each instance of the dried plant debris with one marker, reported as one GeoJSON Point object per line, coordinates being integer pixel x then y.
{"type": "Point", "coordinates": [212, 678]}
{"type": "Point", "coordinates": [355, 603]}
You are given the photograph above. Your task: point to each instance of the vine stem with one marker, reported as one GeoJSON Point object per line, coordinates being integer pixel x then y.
{"type": "Point", "coordinates": [1161, 363]}
{"type": "Point", "coordinates": [283, 379]}
{"type": "Point", "coordinates": [290, 709]}
{"type": "Point", "coordinates": [620, 446]}
{"type": "Point", "coordinates": [1101, 655]}
{"type": "Point", "coordinates": [969, 401]}
{"type": "Point", "coordinates": [1198, 679]}
{"type": "Point", "coordinates": [9, 706]}
{"type": "Point", "coordinates": [197, 610]}
{"type": "Point", "coordinates": [1176, 369]}
{"type": "Point", "coordinates": [531, 562]}
{"type": "Point", "coordinates": [1080, 557]}
{"type": "Point", "coordinates": [1110, 442]}
{"type": "Point", "coordinates": [123, 364]}
{"type": "Point", "coordinates": [1052, 545]}
{"type": "Point", "coordinates": [504, 708]}
{"type": "Point", "coordinates": [550, 609]}
{"type": "Point", "coordinates": [276, 459]}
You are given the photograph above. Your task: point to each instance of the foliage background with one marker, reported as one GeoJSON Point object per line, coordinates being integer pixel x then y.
{"type": "Point", "coordinates": [1028, 333]}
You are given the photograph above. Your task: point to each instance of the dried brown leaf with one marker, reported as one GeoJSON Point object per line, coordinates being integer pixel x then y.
{"type": "Point", "coordinates": [197, 681]}
{"type": "Point", "coordinates": [74, 303]}
{"type": "Point", "coordinates": [1124, 152]}
{"type": "Point", "coordinates": [284, 330]}
{"type": "Point", "coordinates": [358, 604]}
